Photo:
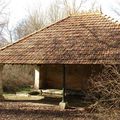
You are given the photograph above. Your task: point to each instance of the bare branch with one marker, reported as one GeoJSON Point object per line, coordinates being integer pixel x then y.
{"type": "Point", "coordinates": [3, 20]}
{"type": "Point", "coordinates": [106, 85]}
{"type": "Point", "coordinates": [74, 7]}
{"type": "Point", "coordinates": [55, 12]}
{"type": "Point", "coordinates": [117, 9]}
{"type": "Point", "coordinates": [34, 21]}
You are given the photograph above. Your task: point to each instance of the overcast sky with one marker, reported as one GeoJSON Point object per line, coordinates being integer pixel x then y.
{"type": "Point", "coordinates": [18, 8]}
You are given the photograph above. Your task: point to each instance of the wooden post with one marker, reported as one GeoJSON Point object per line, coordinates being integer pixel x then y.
{"type": "Point", "coordinates": [37, 77]}
{"type": "Point", "coordinates": [1, 88]}
{"type": "Point", "coordinates": [63, 105]}
{"type": "Point", "coordinates": [64, 84]}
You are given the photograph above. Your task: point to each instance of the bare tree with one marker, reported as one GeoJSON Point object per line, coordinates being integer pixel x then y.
{"type": "Point", "coordinates": [8, 32]}
{"type": "Point", "coordinates": [33, 22]}
{"type": "Point", "coordinates": [116, 10]}
{"type": "Point", "coordinates": [60, 9]}
{"type": "Point", "coordinates": [95, 6]}
{"type": "Point", "coordinates": [74, 6]}
{"type": "Point", "coordinates": [20, 30]}
{"type": "Point", "coordinates": [3, 21]}
{"type": "Point", "coordinates": [56, 11]}
{"type": "Point", "coordinates": [35, 19]}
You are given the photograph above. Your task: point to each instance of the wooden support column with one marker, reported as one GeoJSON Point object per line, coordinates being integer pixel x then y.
{"type": "Point", "coordinates": [1, 88]}
{"type": "Point", "coordinates": [63, 105]}
{"type": "Point", "coordinates": [64, 84]}
{"type": "Point", "coordinates": [37, 77]}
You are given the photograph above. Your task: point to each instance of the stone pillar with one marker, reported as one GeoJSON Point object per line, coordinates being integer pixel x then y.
{"type": "Point", "coordinates": [37, 77]}
{"type": "Point", "coordinates": [1, 88]}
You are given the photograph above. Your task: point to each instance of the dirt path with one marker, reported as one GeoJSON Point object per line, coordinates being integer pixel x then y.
{"type": "Point", "coordinates": [36, 111]}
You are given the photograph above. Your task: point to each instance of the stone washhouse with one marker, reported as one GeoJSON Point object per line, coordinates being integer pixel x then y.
{"type": "Point", "coordinates": [66, 52]}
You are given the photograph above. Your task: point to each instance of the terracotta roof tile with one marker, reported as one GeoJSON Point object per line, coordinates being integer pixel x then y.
{"type": "Point", "coordinates": [82, 39]}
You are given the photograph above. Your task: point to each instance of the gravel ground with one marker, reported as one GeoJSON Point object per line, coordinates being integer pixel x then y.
{"type": "Point", "coordinates": [37, 111]}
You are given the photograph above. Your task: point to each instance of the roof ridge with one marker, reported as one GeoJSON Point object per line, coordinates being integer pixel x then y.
{"type": "Point", "coordinates": [111, 19]}
{"type": "Point", "coordinates": [97, 13]}
{"type": "Point", "coordinates": [29, 35]}
{"type": "Point", "coordinates": [87, 13]}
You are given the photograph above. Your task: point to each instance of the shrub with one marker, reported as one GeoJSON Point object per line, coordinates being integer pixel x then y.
{"type": "Point", "coordinates": [106, 88]}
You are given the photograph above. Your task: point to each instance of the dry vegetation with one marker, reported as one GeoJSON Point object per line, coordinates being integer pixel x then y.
{"type": "Point", "coordinates": [105, 92]}
{"type": "Point", "coordinates": [106, 86]}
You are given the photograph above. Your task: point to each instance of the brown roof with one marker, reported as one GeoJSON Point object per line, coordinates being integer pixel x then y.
{"type": "Point", "coordinates": [83, 39]}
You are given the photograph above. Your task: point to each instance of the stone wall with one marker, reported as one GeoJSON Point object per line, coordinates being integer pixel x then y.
{"type": "Point", "coordinates": [1, 89]}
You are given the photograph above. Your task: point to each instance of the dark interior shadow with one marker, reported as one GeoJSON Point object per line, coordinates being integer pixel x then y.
{"type": "Point", "coordinates": [50, 100]}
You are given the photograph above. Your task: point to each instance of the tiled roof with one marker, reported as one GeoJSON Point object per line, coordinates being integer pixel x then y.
{"type": "Point", "coordinates": [82, 39]}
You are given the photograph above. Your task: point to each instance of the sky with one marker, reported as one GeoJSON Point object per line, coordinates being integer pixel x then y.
{"type": "Point", "coordinates": [18, 8]}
